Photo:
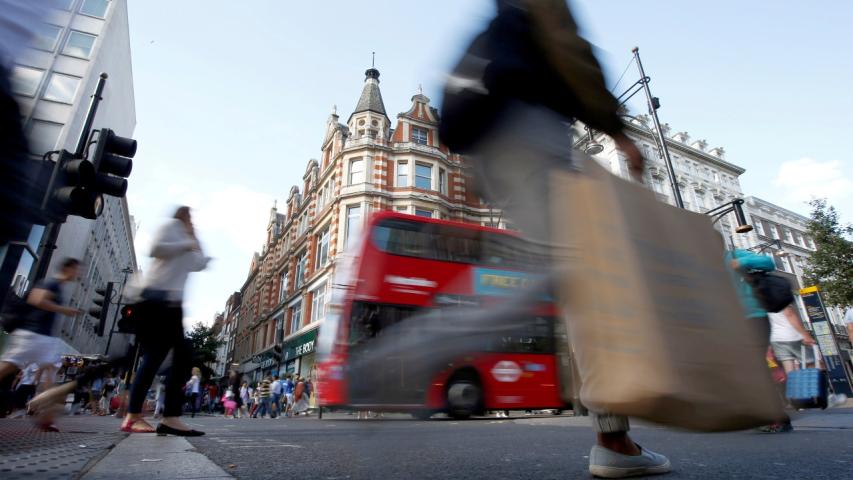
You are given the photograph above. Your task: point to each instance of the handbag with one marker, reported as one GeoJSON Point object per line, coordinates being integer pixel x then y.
{"type": "Point", "coordinates": [807, 387]}
{"type": "Point", "coordinates": [651, 310]}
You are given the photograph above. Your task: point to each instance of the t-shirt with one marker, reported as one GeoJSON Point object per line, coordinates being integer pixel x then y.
{"type": "Point", "coordinates": [781, 329]}
{"type": "Point", "coordinates": [28, 375]}
{"type": "Point", "coordinates": [288, 386]}
{"type": "Point", "coordinates": [41, 321]}
{"type": "Point", "coordinates": [848, 317]}
{"type": "Point", "coordinates": [264, 389]}
{"type": "Point", "coordinates": [276, 387]}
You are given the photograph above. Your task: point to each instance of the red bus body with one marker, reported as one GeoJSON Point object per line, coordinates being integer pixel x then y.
{"type": "Point", "coordinates": [509, 381]}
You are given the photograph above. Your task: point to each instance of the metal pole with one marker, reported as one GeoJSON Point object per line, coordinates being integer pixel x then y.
{"type": "Point", "coordinates": [51, 233]}
{"type": "Point", "coordinates": [126, 272]}
{"type": "Point", "coordinates": [664, 150]}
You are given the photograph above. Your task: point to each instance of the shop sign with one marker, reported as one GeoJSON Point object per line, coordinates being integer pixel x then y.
{"type": "Point", "coordinates": [825, 337]}
{"type": "Point", "coordinates": [301, 345]}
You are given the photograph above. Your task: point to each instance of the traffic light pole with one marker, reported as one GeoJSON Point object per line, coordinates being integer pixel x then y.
{"type": "Point", "coordinates": [126, 272]}
{"type": "Point", "coordinates": [51, 233]}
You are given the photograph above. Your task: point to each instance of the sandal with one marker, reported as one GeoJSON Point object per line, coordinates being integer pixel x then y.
{"type": "Point", "coordinates": [131, 427]}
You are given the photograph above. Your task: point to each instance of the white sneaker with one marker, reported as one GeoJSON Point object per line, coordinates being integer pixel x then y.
{"type": "Point", "coordinates": [836, 399]}
{"type": "Point", "coordinates": [606, 463]}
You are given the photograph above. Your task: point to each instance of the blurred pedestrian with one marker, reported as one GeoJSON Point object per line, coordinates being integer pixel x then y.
{"type": "Point", "coordinates": [277, 389]}
{"type": "Point", "coordinates": [300, 397]}
{"type": "Point", "coordinates": [246, 399]}
{"type": "Point", "coordinates": [264, 397]}
{"type": "Point", "coordinates": [212, 397]}
{"type": "Point", "coordinates": [744, 263]}
{"type": "Point", "coordinates": [24, 387]}
{"type": "Point", "coordinates": [107, 392]}
{"type": "Point", "coordinates": [176, 252]}
{"type": "Point", "coordinates": [288, 393]}
{"type": "Point", "coordinates": [787, 337]}
{"type": "Point", "coordinates": [193, 390]}
{"type": "Point", "coordinates": [20, 20]}
{"type": "Point", "coordinates": [32, 340]}
{"type": "Point", "coordinates": [507, 106]}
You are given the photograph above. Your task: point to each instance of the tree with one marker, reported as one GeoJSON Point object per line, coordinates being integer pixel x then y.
{"type": "Point", "coordinates": [204, 344]}
{"type": "Point", "coordinates": [831, 264]}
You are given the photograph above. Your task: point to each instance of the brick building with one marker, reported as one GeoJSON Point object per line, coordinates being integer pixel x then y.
{"type": "Point", "coordinates": [366, 164]}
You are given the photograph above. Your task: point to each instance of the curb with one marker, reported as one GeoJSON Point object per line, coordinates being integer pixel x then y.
{"type": "Point", "coordinates": [153, 457]}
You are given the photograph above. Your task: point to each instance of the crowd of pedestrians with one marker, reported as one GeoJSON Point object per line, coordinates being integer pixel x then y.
{"type": "Point", "coordinates": [272, 397]}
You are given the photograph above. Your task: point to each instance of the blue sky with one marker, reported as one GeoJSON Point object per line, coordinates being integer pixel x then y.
{"type": "Point", "coordinates": [232, 97]}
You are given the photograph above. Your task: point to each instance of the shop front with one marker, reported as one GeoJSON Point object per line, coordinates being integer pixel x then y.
{"type": "Point", "coordinates": [298, 354]}
{"type": "Point", "coordinates": [267, 364]}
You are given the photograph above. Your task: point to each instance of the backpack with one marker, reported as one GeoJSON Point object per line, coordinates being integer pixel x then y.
{"type": "Point", "coordinates": [772, 291]}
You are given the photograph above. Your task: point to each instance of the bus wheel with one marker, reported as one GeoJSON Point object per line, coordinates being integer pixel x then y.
{"type": "Point", "coordinates": [464, 397]}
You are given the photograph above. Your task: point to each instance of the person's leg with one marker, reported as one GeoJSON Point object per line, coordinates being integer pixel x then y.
{"type": "Point", "coordinates": [152, 358]}
{"type": "Point", "coordinates": [181, 370]}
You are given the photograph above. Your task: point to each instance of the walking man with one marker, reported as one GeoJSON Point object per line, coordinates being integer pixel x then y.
{"type": "Point", "coordinates": [264, 397]}
{"type": "Point", "coordinates": [32, 341]}
{"type": "Point", "coordinates": [276, 388]}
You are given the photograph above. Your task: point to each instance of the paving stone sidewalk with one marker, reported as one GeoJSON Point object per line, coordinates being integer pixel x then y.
{"type": "Point", "coordinates": [28, 453]}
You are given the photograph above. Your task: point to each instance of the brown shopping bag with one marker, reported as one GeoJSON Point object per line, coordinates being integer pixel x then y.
{"type": "Point", "coordinates": [654, 320]}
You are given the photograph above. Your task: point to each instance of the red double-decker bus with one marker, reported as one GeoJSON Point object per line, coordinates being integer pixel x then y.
{"type": "Point", "coordinates": [425, 318]}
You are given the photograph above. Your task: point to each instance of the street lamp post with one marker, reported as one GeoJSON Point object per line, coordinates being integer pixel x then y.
{"type": "Point", "coordinates": [653, 106]}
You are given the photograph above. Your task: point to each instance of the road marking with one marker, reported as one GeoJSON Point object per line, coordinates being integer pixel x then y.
{"type": "Point", "coordinates": [261, 446]}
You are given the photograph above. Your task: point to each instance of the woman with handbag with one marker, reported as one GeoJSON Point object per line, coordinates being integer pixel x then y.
{"type": "Point", "coordinates": [176, 252]}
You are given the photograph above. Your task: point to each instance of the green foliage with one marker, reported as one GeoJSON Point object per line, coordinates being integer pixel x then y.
{"type": "Point", "coordinates": [204, 344]}
{"type": "Point", "coordinates": [831, 266]}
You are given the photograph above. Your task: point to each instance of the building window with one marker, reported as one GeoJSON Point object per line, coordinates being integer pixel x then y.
{"type": "Point", "coordinates": [321, 197]}
{"type": "Point", "coordinates": [759, 226]}
{"type": "Point", "coordinates": [423, 176]}
{"type": "Point", "coordinates": [60, 4]}
{"type": "Point", "coordinates": [303, 225]}
{"type": "Point", "coordinates": [716, 177]}
{"type": "Point", "coordinates": [401, 209]}
{"type": "Point", "coordinates": [423, 212]}
{"type": "Point", "coordinates": [79, 44]}
{"type": "Point", "coordinates": [43, 136]}
{"type": "Point", "coordinates": [353, 223]}
{"type": "Point", "coordinates": [403, 174]}
{"type": "Point", "coordinates": [301, 265]}
{"type": "Point", "coordinates": [318, 303]}
{"type": "Point", "coordinates": [442, 181]}
{"type": "Point", "coordinates": [700, 200]}
{"type": "Point", "coordinates": [774, 232]}
{"type": "Point", "coordinates": [282, 286]}
{"type": "Point", "coordinates": [356, 171]}
{"type": "Point", "coordinates": [296, 317]}
{"type": "Point", "coordinates": [788, 237]}
{"type": "Point", "coordinates": [46, 37]}
{"type": "Point", "coordinates": [657, 184]}
{"type": "Point", "coordinates": [323, 248]}
{"type": "Point", "coordinates": [95, 8]}
{"type": "Point", "coordinates": [62, 88]}
{"type": "Point", "coordinates": [419, 135]}
{"type": "Point", "coordinates": [26, 80]}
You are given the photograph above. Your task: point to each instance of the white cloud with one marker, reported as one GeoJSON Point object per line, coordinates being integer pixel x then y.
{"type": "Point", "coordinates": [804, 179]}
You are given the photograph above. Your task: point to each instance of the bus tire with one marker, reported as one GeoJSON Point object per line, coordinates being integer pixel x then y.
{"type": "Point", "coordinates": [464, 397]}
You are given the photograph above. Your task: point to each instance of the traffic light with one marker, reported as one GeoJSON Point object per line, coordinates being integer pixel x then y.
{"type": "Point", "coordinates": [112, 160]}
{"type": "Point", "coordinates": [102, 307]}
{"type": "Point", "coordinates": [125, 323]}
{"type": "Point", "coordinates": [66, 183]}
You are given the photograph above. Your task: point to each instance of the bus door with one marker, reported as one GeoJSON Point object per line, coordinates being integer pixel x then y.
{"type": "Point", "coordinates": [381, 367]}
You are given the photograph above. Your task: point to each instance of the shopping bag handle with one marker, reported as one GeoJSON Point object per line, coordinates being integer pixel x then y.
{"type": "Point", "coordinates": [815, 352]}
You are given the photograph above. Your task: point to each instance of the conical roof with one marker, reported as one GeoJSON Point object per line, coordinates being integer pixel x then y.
{"type": "Point", "coordinates": [371, 97]}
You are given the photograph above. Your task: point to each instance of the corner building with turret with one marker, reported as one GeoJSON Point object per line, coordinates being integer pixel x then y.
{"type": "Point", "coordinates": [366, 164]}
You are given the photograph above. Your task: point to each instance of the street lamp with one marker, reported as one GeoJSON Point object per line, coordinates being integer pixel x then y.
{"type": "Point", "coordinates": [592, 147]}
{"type": "Point", "coordinates": [733, 206]}
{"type": "Point", "coordinates": [764, 246]}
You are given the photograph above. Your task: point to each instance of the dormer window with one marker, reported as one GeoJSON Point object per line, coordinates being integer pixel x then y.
{"type": "Point", "coordinates": [419, 135]}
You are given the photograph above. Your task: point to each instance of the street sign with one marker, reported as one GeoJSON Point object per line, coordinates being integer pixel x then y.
{"type": "Point", "coordinates": [825, 336]}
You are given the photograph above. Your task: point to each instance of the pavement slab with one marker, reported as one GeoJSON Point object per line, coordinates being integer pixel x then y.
{"type": "Point", "coordinates": [27, 453]}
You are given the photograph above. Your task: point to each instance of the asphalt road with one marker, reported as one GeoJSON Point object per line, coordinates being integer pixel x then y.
{"type": "Point", "coordinates": [396, 447]}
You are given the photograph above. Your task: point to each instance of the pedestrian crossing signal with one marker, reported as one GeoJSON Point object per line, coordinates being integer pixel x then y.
{"type": "Point", "coordinates": [127, 320]}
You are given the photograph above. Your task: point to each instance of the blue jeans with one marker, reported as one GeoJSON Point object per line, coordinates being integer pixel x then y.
{"type": "Point", "coordinates": [263, 407]}
{"type": "Point", "coordinates": [276, 405]}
